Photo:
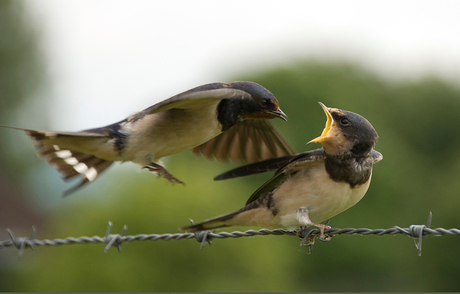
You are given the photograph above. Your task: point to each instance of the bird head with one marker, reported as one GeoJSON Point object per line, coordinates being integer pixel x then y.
{"type": "Point", "coordinates": [346, 133]}
{"type": "Point", "coordinates": [262, 104]}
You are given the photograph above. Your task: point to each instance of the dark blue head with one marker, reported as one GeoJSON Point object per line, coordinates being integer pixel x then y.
{"type": "Point", "coordinates": [262, 105]}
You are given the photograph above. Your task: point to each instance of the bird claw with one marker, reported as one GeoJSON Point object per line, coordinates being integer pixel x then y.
{"type": "Point", "coordinates": [302, 216]}
{"type": "Point", "coordinates": [322, 236]}
{"type": "Point", "coordinates": [172, 179]}
{"type": "Point", "coordinates": [163, 173]}
{"type": "Point", "coordinates": [306, 234]}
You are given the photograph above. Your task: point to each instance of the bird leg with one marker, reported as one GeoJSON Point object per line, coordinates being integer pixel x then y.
{"type": "Point", "coordinates": [162, 172]}
{"type": "Point", "coordinates": [304, 220]}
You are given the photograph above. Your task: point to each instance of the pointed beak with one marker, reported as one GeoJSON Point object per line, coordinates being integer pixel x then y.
{"type": "Point", "coordinates": [327, 128]}
{"type": "Point", "coordinates": [279, 113]}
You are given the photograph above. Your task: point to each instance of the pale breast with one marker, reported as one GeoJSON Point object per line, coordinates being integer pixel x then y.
{"type": "Point", "coordinates": [313, 189]}
{"type": "Point", "coordinates": [172, 131]}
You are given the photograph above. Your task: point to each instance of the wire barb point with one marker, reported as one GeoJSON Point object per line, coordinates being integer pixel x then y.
{"type": "Point", "coordinates": [418, 232]}
{"type": "Point", "coordinates": [21, 243]}
{"type": "Point", "coordinates": [114, 239]}
{"type": "Point", "coordinates": [202, 236]}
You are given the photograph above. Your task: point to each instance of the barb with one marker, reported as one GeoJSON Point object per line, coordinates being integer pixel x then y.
{"type": "Point", "coordinates": [414, 231]}
{"type": "Point", "coordinates": [202, 236]}
{"type": "Point", "coordinates": [22, 242]}
{"type": "Point", "coordinates": [114, 239]}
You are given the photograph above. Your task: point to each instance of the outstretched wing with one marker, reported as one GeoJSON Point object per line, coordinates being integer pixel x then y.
{"type": "Point", "coordinates": [248, 141]}
{"type": "Point", "coordinates": [197, 97]}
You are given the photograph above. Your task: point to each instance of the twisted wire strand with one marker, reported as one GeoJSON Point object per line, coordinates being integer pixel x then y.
{"type": "Point", "coordinates": [305, 234]}
{"type": "Point", "coordinates": [18, 242]}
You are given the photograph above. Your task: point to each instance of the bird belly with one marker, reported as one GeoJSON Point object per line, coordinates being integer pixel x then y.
{"type": "Point", "coordinates": [313, 189]}
{"type": "Point", "coordinates": [170, 132]}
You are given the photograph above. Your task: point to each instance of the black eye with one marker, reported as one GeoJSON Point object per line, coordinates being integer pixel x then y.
{"type": "Point", "coordinates": [265, 102]}
{"type": "Point", "coordinates": [344, 121]}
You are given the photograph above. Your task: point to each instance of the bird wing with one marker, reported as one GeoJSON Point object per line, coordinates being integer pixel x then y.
{"type": "Point", "coordinates": [248, 141]}
{"type": "Point", "coordinates": [254, 168]}
{"type": "Point", "coordinates": [197, 97]}
{"type": "Point", "coordinates": [296, 162]}
{"type": "Point", "coordinates": [270, 164]}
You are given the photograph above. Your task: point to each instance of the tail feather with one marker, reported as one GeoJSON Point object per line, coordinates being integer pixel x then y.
{"type": "Point", "coordinates": [98, 168]}
{"type": "Point", "coordinates": [213, 223]}
{"type": "Point", "coordinates": [68, 162]}
{"type": "Point", "coordinates": [259, 213]}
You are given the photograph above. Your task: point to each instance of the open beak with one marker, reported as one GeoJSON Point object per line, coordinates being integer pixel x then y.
{"type": "Point", "coordinates": [327, 128]}
{"type": "Point", "coordinates": [279, 113]}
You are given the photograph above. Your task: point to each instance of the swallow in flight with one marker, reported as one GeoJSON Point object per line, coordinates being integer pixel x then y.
{"type": "Point", "coordinates": [310, 187]}
{"type": "Point", "coordinates": [224, 121]}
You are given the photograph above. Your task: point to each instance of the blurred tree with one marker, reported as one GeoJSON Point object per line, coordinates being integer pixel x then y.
{"type": "Point", "coordinates": [22, 69]}
{"type": "Point", "coordinates": [419, 137]}
{"type": "Point", "coordinates": [22, 76]}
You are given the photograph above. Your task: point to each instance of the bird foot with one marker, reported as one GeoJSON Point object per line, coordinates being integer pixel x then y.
{"type": "Point", "coordinates": [322, 228]}
{"type": "Point", "coordinates": [304, 220]}
{"type": "Point", "coordinates": [162, 172]}
{"type": "Point", "coordinates": [306, 234]}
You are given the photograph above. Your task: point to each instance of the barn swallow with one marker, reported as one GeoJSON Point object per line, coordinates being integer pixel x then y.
{"type": "Point", "coordinates": [224, 121]}
{"type": "Point", "coordinates": [310, 187]}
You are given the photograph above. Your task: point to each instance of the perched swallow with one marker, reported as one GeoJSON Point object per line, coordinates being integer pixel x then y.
{"type": "Point", "coordinates": [310, 187]}
{"type": "Point", "coordinates": [225, 121]}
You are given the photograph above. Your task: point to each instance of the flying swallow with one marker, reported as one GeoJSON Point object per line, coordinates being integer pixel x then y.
{"type": "Point", "coordinates": [310, 187]}
{"type": "Point", "coordinates": [224, 121]}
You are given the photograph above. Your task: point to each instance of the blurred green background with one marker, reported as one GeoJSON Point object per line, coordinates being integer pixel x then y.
{"type": "Point", "coordinates": [418, 125]}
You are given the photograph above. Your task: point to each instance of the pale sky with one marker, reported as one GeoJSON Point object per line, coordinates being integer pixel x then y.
{"type": "Point", "coordinates": [108, 59]}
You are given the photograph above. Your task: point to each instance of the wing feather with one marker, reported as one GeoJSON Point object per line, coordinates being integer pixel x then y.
{"type": "Point", "coordinates": [275, 164]}
{"type": "Point", "coordinates": [247, 141]}
{"type": "Point", "coordinates": [290, 167]}
{"type": "Point", "coordinates": [205, 94]}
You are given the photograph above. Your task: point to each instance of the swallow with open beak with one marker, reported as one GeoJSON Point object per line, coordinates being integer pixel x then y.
{"type": "Point", "coordinates": [310, 187]}
{"type": "Point", "coordinates": [224, 121]}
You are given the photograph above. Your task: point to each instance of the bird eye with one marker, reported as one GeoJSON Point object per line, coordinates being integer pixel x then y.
{"type": "Point", "coordinates": [264, 102]}
{"type": "Point", "coordinates": [344, 121]}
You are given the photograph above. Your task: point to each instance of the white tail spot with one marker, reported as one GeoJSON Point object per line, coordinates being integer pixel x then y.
{"type": "Point", "coordinates": [63, 153]}
{"type": "Point", "coordinates": [91, 174]}
{"type": "Point", "coordinates": [81, 168]}
{"type": "Point", "coordinates": [71, 161]}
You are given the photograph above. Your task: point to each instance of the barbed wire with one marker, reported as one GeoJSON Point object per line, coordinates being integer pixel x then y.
{"type": "Point", "coordinates": [305, 234]}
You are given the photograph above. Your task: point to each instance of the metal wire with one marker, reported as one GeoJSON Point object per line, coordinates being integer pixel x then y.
{"type": "Point", "coordinates": [115, 240]}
